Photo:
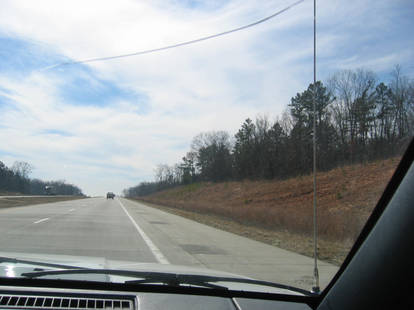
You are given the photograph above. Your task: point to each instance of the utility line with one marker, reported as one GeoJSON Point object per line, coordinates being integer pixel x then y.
{"type": "Point", "coordinates": [178, 44]}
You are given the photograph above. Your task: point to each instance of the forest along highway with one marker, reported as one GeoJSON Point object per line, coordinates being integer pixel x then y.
{"type": "Point", "coordinates": [124, 230]}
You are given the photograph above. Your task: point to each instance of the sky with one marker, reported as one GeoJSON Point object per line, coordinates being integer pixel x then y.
{"type": "Point", "coordinates": [105, 126]}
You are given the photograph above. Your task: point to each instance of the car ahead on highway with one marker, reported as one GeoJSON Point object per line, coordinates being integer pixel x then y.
{"type": "Point", "coordinates": [110, 195]}
{"type": "Point", "coordinates": [370, 277]}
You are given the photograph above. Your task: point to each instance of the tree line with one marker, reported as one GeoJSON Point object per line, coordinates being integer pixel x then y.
{"type": "Point", "coordinates": [358, 119]}
{"type": "Point", "coordinates": [16, 180]}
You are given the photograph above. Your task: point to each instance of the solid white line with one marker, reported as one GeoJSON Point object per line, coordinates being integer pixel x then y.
{"type": "Point", "coordinates": [42, 220]}
{"type": "Point", "coordinates": [155, 251]}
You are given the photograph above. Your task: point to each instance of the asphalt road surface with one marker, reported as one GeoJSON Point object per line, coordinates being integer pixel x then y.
{"type": "Point", "coordinates": [124, 230]}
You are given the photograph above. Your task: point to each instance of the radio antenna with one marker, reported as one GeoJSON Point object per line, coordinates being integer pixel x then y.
{"type": "Point", "coordinates": [315, 288]}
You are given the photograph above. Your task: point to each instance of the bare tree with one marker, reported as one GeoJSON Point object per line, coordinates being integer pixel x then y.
{"type": "Point", "coordinates": [402, 101]}
{"type": "Point", "coordinates": [353, 105]}
{"type": "Point", "coordinates": [22, 169]}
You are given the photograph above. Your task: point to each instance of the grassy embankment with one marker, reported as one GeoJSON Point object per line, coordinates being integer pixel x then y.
{"type": "Point", "coordinates": [280, 212]}
{"type": "Point", "coordinates": [24, 201]}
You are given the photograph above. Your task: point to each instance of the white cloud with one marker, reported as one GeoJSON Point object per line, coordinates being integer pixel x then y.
{"type": "Point", "coordinates": [209, 86]}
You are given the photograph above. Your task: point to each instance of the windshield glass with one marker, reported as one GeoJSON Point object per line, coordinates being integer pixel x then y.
{"type": "Point", "coordinates": [180, 137]}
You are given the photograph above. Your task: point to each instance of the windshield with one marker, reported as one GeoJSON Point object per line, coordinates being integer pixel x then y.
{"type": "Point", "coordinates": [188, 137]}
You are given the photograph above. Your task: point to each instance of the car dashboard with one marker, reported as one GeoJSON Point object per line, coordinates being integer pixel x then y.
{"type": "Point", "coordinates": [25, 298]}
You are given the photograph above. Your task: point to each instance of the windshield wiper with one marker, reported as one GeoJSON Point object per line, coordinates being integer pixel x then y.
{"type": "Point", "coordinates": [190, 279]}
{"type": "Point", "coordinates": [22, 261]}
{"type": "Point", "coordinates": [146, 277]}
{"type": "Point", "coordinates": [171, 279]}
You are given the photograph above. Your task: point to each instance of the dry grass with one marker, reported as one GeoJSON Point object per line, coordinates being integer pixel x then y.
{"type": "Point", "coordinates": [24, 201]}
{"type": "Point", "coordinates": [333, 252]}
{"type": "Point", "coordinates": [346, 197]}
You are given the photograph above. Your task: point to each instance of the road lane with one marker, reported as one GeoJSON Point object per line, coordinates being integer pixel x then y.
{"type": "Point", "coordinates": [125, 230]}
{"type": "Point", "coordinates": [153, 248]}
{"type": "Point", "coordinates": [87, 227]}
{"type": "Point", "coordinates": [185, 242]}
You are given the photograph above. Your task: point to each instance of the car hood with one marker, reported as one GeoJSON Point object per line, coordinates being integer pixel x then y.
{"type": "Point", "coordinates": [16, 269]}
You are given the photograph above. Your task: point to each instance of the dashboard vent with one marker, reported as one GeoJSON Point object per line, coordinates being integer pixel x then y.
{"type": "Point", "coordinates": [59, 302]}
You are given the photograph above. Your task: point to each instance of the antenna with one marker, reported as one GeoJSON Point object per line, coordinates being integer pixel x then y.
{"type": "Point", "coordinates": [315, 288]}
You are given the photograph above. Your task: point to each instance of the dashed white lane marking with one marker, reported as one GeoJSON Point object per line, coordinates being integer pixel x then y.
{"type": "Point", "coordinates": [71, 210]}
{"type": "Point", "coordinates": [155, 251]}
{"type": "Point", "coordinates": [42, 220]}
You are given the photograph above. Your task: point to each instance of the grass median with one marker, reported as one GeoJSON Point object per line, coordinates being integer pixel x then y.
{"type": "Point", "coordinates": [11, 202]}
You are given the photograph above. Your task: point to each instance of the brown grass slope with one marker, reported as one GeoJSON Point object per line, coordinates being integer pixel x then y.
{"type": "Point", "coordinates": [283, 209]}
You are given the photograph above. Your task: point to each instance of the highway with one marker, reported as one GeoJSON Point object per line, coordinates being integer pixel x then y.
{"type": "Point", "coordinates": [126, 230]}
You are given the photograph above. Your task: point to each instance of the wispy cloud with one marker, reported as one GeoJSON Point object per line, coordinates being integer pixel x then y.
{"type": "Point", "coordinates": [106, 125]}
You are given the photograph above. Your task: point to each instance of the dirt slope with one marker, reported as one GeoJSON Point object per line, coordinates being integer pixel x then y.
{"type": "Point", "coordinates": [280, 212]}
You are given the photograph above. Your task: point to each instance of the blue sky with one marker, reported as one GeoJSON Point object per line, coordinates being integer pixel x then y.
{"type": "Point", "coordinates": [104, 126]}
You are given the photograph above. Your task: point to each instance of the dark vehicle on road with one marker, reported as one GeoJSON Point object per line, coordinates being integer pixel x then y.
{"type": "Point", "coordinates": [110, 195]}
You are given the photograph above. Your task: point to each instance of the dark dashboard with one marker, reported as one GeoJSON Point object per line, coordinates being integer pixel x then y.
{"type": "Point", "coordinates": [63, 299]}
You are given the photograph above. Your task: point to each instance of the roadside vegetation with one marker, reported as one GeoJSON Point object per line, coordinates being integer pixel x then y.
{"type": "Point", "coordinates": [280, 212]}
{"type": "Point", "coordinates": [260, 178]}
{"type": "Point", "coordinates": [358, 120]}
{"type": "Point", "coordinates": [16, 181]}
